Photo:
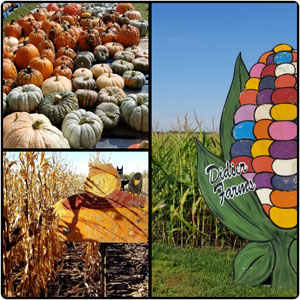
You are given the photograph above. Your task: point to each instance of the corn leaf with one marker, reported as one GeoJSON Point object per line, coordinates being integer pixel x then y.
{"type": "Point", "coordinates": [243, 214]}
{"type": "Point", "coordinates": [232, 103]}
{"type": "Point", "coordinates": [254, 263]}
{"type": "Point", "coordinates": [293, 255]}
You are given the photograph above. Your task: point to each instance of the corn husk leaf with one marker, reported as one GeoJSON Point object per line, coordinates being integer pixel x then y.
{"type": "Point", "coordinates": [232, 103]}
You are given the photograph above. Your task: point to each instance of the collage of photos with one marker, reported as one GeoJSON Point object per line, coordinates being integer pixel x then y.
{"type": "Point", "coordinates": [149, 150]}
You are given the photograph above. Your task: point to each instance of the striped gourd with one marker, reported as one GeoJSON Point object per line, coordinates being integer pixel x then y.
{"type": "Point", "coordinates": [265, 133]}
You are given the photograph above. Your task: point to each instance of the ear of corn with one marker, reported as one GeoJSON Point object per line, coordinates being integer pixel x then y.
{"type": "Point", "coordinates": [258, 134]}
{"type": "Point", "coordinates": [265, 133]}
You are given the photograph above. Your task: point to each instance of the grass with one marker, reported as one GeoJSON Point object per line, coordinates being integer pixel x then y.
{"type": "Point", "coordinates": [143, 8]}
{"type": "Point", "coordinates": [204, 272]}
{"type": "Point", "coordinates": [23, 10]}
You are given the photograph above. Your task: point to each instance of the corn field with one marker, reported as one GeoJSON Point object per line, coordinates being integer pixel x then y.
{"type": "Point", "coordinates": [32, 252]}
{"type": "Point", "coordinates": [180, 215]}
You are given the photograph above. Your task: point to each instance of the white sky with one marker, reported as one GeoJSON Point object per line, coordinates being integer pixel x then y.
{"type": "Point", "coordinates": [132, 161]}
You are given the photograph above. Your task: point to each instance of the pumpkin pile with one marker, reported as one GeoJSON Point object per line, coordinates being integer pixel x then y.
{"type": "Point", "coordinates": [64, 71]}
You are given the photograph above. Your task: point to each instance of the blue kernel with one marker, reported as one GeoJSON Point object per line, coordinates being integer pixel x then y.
{"type": "Point", "coordinates": [243, 130]}
{"type": "Point", "coordinates": [283, 57]}
{"type": "Point", "coordinates": [241, 148]}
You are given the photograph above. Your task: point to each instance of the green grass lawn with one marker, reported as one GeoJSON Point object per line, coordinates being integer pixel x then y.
{"type": "Point", "coordinates": [23, 10]}
{"type": "Point", "coordinates": [202, 272]}
{"type": "Point", "coordinates": [143, 8]}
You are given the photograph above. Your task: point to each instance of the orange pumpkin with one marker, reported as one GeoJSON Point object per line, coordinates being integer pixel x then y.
{"type": "Point", "coordinates": [67, 51]}
{"type": "Point", "coordinates": [25, 54]}
{"type": "Point", "coordinates": [133, 15]}
{"type": "Point", "coordinates": [64, 38]}
{"type": "Point", "coordinates": [63, 70]}
{"type": "Point", "coordinates": [8, 85]}
{"type": "Point", "coordinates": [9, 69]}
{"type": "Point", "coordinates": [29, 76]}
{"type": "Point", "coordinates": [64, 60]}
{"type": "Point", "coordinates": [69, 19]}
{"type": "Point", "coordinates": [89, 40]}
{"type": "Point", "coordinates": [128, 36]}
{"type": "Point", "coordinates": [48, 53]}
{"type": "Point", "coordinates": [107, 36]}
{"type": "Point", "coordinates": [29, 25]}
{"type": "Point", "coordinates": [114, 25]}
{"type": "Point", "coordinates": [37, 36]}
{"type": "Point", "coordinates": [114, 47]}
{"type": "Point", "coordinates": [46, 43]}
{"type": "Point", "coordinates": [22, 19]}
{"type": "Point", "coordinates": [5, 50]}
{"type": "Point", "coordinates": [47, 26]}
{"type": "Point", "coordinates": [42, 64]}
{"type": "Point", "coordinates": [39, 15]}
{"type": "Point", "coordinates": [13, 29]}
{"type": "Point", "coordinates": [123, 7]}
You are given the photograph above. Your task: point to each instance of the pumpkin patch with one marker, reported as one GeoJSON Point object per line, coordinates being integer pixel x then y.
{"type": "Point", "coordinates": [68, 69]}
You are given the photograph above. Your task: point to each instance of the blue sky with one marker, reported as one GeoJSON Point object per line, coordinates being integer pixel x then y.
{"type": "Point", "coordinates": [131, 161]}
{"type": "Point", "coordinates": [194, 48]}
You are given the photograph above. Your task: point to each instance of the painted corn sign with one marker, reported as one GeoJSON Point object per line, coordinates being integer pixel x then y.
{"type": "Point", "coordinates": [253, 191]}
{"type": "Point", "coordinates": [103, 213]}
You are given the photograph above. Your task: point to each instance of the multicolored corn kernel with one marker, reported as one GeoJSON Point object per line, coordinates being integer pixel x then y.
{"type": "Point", "coordinates": [265, 133]}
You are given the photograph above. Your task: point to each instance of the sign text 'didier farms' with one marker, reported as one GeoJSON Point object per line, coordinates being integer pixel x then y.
{"type": "Point", "coordinates": [217, 176]}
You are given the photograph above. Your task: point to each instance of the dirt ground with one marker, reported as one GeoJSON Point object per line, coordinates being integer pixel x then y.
{"type": "Point", "coordinates": [127, 273]}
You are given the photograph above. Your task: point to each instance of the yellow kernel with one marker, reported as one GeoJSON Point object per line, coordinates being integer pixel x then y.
{"type": "Point", "coordinates": [252, 84]}
{"type": "Point", "coordinates": [282, 47]}
{"type": "Point", "coordinates": [283, 217]}
{"type": "Point", "coordinates": [261, 147]}
{"type": "Point", "coordinates": [284, 112]}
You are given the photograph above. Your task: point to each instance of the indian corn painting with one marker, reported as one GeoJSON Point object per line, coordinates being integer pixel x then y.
{"type": "Point", "coordinates": [253, 189]}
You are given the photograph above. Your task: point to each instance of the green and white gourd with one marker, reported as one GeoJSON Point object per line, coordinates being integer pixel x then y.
{"type": "Point", "coordinates": [112, 94]}
{"type": "Point", "coordinates": [24, 98]}
{"type": "Point", "coordinates": [141, 25]}
{"type": "Point", "coordinates": [134, 79]}
{"type": "Point", "coordinates": [101, 53]}
{"type": "Point", "coordinates": [86, 98]}
{"type": "Point", "coordinates": [109, 113]}
{"type": "Point", "coordinates": [121, 66]}
{"type": "Point", "coordinates": [83, 129]}
{"type": "Point", "coordinates": [84, 83]}
{"type": "Point", "coordinates": [57, 105]}
{"type": "Point", "coordinates": [134, 111]}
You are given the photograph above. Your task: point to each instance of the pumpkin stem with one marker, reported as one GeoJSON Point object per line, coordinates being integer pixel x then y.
{"type": "Point", "coordinates": [29, 70]}
{"type": "Point", "coordinates": [109, 73]}
{"type": "Point", "coordinates": [56, 79]}
{"type": "Point", "coordinates": [37, 124]}
{"type": "Point", "coordinates": [111, 115]}
{"type": "Point", "coordinates": [57, 98]}
{"type": "Point", "coordinates": [140, 100]}
{"type": "Point", "coordinates": [85, 120]}
{"type": "Point", "coordinates": [12, 22]}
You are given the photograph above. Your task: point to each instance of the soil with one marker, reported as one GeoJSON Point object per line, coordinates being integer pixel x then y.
{"type": "Point", "coordinates": [127, 269]}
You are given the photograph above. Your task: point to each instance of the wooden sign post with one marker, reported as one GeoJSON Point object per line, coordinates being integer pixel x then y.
{"type": "Point", "coordinates": [104, 213]}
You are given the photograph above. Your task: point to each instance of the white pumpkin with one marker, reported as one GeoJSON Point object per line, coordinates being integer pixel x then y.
{"type": "Point", "coordinates": [56, 84]}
